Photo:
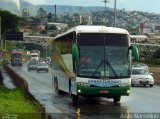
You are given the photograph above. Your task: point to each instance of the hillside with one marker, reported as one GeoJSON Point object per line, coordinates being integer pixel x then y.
{"type": "Point", "coordinates": [49, 8]}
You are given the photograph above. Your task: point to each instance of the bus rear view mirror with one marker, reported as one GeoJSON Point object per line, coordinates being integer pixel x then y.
{"type": "Point", "coordinates": [135, 52]}
{"type": "Point", "coordinates": [75, 52]}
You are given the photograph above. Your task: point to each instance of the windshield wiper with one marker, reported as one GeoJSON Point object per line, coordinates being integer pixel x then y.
{"type": "Point", "coordinates": [105, 62]}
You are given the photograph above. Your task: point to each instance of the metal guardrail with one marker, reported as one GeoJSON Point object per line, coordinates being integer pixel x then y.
{"type": "Point", "coordinates": [21, 83]}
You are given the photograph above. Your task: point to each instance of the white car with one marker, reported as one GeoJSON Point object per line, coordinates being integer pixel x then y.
{"type": "Point", "coordinates": [42, 67]}
{"type": "Point", "coordinates": [141, 76]}
{"type": "Point", "coordinates": [140, 65]}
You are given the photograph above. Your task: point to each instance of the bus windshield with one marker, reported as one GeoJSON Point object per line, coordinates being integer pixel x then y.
{"type": "Point", "coordinates": [103, 56]}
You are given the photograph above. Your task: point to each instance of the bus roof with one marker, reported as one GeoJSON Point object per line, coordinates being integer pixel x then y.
{"type": "Point", "coordinates": [94, 29]}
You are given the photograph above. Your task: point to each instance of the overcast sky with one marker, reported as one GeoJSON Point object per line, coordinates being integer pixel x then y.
{"type": "Point", "coordinates": [140, 5]}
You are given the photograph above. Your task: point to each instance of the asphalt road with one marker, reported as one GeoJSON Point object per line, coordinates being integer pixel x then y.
{"type": "Point", "coordinates": [142, 100]}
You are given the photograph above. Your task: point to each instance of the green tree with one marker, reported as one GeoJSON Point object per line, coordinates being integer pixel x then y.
{"type": "Point", "coordinates": [51, 27]}
{"type": "Point", "coordinates": [10, 22]}
{"type": "Point", "coordinates": [148, 56]}
{"type": "Point", "coordinates": [156, 54]}
{"type": "Point", "coordinates": [49, 17]}
{"type": "Point", "coordinates": [10, 45]}
{"type": "Point", "coordinates": [43, 32]}
{"type": "Point", "coordinates": [36, 21]}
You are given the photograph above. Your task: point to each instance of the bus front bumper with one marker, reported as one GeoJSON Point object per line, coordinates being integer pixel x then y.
{"type": "Point", "coordinates": [103, 91]}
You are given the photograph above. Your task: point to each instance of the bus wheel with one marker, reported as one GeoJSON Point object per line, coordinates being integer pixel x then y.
{"type": "Point", "coordinates": [74, 98]}
{"type": "Point", "coordinates": [116, 99]}
{"type": "Point", "coordinates": [56, 87]}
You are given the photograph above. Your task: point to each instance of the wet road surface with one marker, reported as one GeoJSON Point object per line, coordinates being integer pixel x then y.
{"type": "Point", "coordinates": [7, 81]}
{"type": "Point", "coordinates": [141, 100]}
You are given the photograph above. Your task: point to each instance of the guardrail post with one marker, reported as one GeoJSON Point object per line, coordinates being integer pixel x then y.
{"type": "Point", "coordinates": [43, 112]}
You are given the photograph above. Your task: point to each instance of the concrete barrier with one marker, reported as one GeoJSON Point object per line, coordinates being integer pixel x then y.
{"type": "Point", "coordinates": [19, 81]}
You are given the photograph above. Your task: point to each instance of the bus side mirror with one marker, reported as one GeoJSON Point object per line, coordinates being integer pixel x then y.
{"type": "Point", "coordinates": [75, 52]}
{"type": "Point", "coordinates": [135, 52]}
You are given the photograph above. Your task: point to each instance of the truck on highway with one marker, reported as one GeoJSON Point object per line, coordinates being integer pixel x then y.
{"type": "Point", "coordinates": [34, 54]}
{"type": "Point", "coordinates": [16, 57]}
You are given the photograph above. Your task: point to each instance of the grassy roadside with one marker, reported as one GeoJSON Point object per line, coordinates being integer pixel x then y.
{"type": "Point", "coordinates": [14, 103]}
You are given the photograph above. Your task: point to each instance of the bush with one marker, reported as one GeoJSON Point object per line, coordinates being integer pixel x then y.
{"type": "Point", "coordinates": [157, 61]}
{"type": "Point", "coordinates": [14, 103]}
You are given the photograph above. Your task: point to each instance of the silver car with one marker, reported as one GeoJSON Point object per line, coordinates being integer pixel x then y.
{"type": "Point", "coordinates": [141, 76]}
{"type": "Point", "coordinates": [32, 65]}
{"type": "Point", "coordinates": [42, 66]}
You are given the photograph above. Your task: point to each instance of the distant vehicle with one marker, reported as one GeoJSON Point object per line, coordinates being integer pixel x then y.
{"type": "Point", "coordinates": [42, 67]}
{"type": "Point", "coordinates": [6, 61]}
{"type": "Point", "coordinates": [47, 60]}
{"type": "Point", "coordinates": [17, 57]}
{"type": "Point", "coordinates": [35, 54]}
{"type": "Point", "coordinates": [141, 76]}
{"type": "Point", "coordinates": [32, 65]}
{"type": "Point", "coordinates": [41, 60]}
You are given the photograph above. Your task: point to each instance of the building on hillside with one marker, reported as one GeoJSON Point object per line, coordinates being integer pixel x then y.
{"type": "Point", "coordinates": [145, 28]}
{"type": "Point", "coordinates": [138, 38]}
{"type": "Point", "coordinates": [41, 13]}
{"type": "Point", "coordinates": [60, 26]}
{"type": "Point", "coordinates": [25, 13]}
{"type": "Point", "coordinates": [157, 29]}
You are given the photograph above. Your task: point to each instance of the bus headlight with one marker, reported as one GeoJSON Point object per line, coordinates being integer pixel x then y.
{"type": "Point", "coordinates": [125, 84]}
{"type": "Point", "coordinates": [79, 91]}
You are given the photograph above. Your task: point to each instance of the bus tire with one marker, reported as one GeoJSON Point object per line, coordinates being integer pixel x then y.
{"type": "Point", "coordinates": [74, 98]}
{"type": "Point", "coordinates": [57, 91]}
{"type": "Point", "coordinates": [116, 99]}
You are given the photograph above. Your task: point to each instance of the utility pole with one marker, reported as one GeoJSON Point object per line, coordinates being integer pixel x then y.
{"type": "Point", "coordinates": [1, 77]}
{"type": "Point", "coordinates": [105, 2]}
{"type": "Point", "coordinates": [46, 50]}
{"type": "Point", "coordinates": [115, 13]}
{"type": "Point", "coordinates": [55, 14]}
{"type": "Point", "coordinates": [80, 15]}
{"type": "Point", "coordinates": [1, 40]}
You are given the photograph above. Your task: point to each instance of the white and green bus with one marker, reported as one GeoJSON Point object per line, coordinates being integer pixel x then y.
{"type": "Point", "coordinates": [93, 61]}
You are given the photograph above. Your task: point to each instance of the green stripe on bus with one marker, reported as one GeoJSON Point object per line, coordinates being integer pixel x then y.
{"type": "Point", "coordinates": [103, 92]}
